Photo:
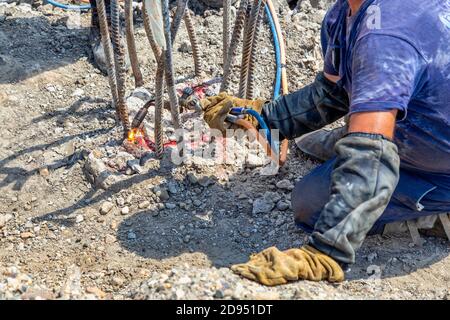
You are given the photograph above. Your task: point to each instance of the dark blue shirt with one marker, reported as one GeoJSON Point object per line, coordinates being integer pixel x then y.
{"type": "Point", "coordinates": [397, 56]}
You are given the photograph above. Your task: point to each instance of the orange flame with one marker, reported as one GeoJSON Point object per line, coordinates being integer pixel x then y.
{"type": "Point", "coordinates": [135, 134]}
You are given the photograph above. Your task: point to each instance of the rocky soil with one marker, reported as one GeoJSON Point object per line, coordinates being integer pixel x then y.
{"type": "Point", "coordinates": [169, 232]}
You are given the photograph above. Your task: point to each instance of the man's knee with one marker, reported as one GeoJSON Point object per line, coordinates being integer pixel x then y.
{"type": "Point", "coordinates": [307, 203]}
{"type": "Point", "coordinates": [310, 195]}
{"type": "Point", "coordinates": [302, 211]}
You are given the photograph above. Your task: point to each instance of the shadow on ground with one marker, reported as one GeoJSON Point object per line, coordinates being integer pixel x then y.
{"type": "Point", "coordinates": [160, 237]}
{"type": "Point", "coordinates": [228, 238]}
{"type": "Point", "coordinates": [43, 45]}
{"type": "Point", "coordinates": [18, 176]}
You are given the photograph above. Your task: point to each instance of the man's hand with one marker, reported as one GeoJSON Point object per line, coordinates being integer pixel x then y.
{"type": "Point", "coordinates": [273, 267]}
{"type": "Point", "coordinates": [217, 108]}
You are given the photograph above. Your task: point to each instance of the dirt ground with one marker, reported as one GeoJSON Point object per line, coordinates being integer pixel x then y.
{"type": "Point", "coordinates": [183, 226]}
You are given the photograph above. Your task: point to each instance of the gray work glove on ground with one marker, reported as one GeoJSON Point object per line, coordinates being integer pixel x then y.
{"type": "Point", "coordinates": [365, 176]}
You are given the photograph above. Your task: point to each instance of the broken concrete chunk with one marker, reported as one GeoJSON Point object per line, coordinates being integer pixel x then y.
{"type": "Point", "coordinates": [97, 173]}
{"type": "Point", "coordinates": [172, 187]}
{"type": "Point", "coordinates": [192, 178]}
{"type": "Point", "coordinates": [205, 181]}
{"type": "Point", "coordinates": [266, 203]}
{"type": "Point", "coordinates": [164, 195]}
{"type": "Point", "coordinates": [285, 184]}
{"type": "Point", "coordinates": [4, 218]}
{"type": "Point", "coordinates": [106, 207]}
{"type": "Point", "coordinates": [134, 164]}
{"type": "Point", "coordinates": [283, 205]}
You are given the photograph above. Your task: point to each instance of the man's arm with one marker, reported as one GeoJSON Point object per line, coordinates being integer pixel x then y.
{"type": "Point", "coordinates": [308, 109]}
{"type": "Point", "coordinates": [366, 169]}
{"type": "Point", "coordinates": [331, 77]}
{"type": "Point", "coordinates": [380, 122]}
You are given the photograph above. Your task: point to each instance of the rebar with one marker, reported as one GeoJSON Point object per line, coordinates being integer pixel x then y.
{"type": "Point", "coordinates": [161, 70]}
{"type": "Point", "coordinates": [246, 46]}
{"type": "Point", "coordinates": [179, 14]}
{"type": "Point", "coordinates": [252, 62]}
{"type": "Point", "coordinates": [159, 104]}
{"type": "Point", "coordinates": [194, 43]}
{"type": "Point", "coordinates": [249, 32]}
{"type": "Point", "coordinates": [168, 64]}
{"type": "Point", "coordinates": [131, 44]}
{"type": "Point", "coordinates": [231, 52]}
{"type": "Point", "coordinates": [159, 83]}
{"type": "Point", "coordinates": [226, 28]}
{"type": "Point", "coordinates": [108, 50]}
{"type": "Point", "coordinates": [119, 62]}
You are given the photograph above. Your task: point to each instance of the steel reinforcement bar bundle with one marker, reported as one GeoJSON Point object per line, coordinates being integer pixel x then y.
{"type": "Point", "coordinates": [248, 18]}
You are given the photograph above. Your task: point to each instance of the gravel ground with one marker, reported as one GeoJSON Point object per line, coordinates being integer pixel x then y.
{"type": "Point", "coordinates": [172, 231]}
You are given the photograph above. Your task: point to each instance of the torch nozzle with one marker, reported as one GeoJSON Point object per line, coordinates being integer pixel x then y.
{"type": "Point", "coordinates": [141, 114]}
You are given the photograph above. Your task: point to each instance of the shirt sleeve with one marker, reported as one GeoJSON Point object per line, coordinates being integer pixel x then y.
{"type": "Point", "coordinates": [386, 71]}
{"type": "Point", "coordinates": [325, 38]}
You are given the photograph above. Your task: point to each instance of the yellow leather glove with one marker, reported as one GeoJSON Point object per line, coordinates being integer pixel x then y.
{"type": "Point", "coordinates": [273, 267]}
{"type": "Point", "coordinates": [217, 108]}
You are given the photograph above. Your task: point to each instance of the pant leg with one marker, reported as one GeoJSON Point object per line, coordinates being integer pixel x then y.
{"type": "Point", "coordinates": [94, 13]}
{"type": "Point", "coordinates": [94, 3]}
{"type": "Point", "coordinates": [310, 195]}
{"type": "Point", "coordinates": [414, 197]}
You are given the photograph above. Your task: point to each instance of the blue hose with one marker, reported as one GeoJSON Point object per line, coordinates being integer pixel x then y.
{"type": "Point", "coordinates": [68, 6]}
{"type": "Point", "coordinates": [263, 126]}
{"type": "Point", "coordinates": [258, 118]}
{"type": "Point", "coordinates": [276, 44]}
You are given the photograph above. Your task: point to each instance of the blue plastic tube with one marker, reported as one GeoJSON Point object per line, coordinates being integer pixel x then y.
{"type": "Point", "coordinates": [276, 44]}
{"type": "Point", "coordinates": [68, 6]}
{"type": "Point", "coordinates": [257, 116]}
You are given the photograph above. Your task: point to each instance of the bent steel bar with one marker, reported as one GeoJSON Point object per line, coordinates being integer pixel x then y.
{"type": "Point", "coordinates": [194, 43]}
{"type": "Point", "coordinates": [252, 61]}
{"type": "Point", "coordinates": [159, 82]}
{"type": "Point", "coordinates": [168, 64]}
{"type": "Point", "coordinates": [119, 62]}
{"type": "Point", "coordinates": [107, 47]}
{"type": "Point", "coordinates": [226, 29]}
{"type": "Point", "coordinates": [131, 44]}
{"type": "Point", "coordinates": [148, 31]}
{"type": "Point", "coordinates": [249, 33]}
{"type": "Point", "coordinates": [234, 42]}
{"type": "Point", "coordinates": [179, 14]}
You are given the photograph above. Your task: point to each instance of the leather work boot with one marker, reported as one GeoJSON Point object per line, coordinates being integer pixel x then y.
{"type": "Point", "coordinates": [429, 226]}
{"type": "Point", "coordinates": [96, 44]}
{"type": "Point", "coordinates": [96, 41]}
{"type": "Point", "coordinates": [319, 144]}
{"type": "Point", "coordinates": [441, 228]}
